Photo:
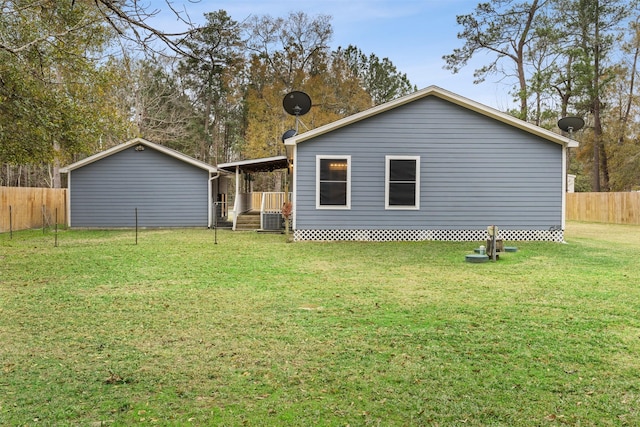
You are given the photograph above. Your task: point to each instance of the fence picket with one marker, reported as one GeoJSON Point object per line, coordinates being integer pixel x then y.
{"type": "Point", "coordinates": [31, 206]}
{"type": "Point", "coordinates": [612, 208]}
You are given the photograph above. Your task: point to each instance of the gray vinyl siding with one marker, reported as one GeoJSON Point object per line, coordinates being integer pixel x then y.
{"type": "Point", "coordinates": [166, 191]}
{"type": "Point", "coordinates": [474, 171]}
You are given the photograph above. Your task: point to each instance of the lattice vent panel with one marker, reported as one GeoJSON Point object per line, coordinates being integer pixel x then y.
{"type": "Point", "coordinates": [421, 235]}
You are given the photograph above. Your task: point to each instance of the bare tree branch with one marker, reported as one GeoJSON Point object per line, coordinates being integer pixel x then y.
{"type": "Point", "coordinates": [130, 19]}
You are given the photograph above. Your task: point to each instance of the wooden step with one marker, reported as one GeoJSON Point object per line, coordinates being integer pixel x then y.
{"type": "Point", "coordinates": [248, 221]}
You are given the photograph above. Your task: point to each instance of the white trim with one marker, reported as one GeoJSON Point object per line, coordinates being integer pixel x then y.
{"type": "Point", "coordinates": [564, 186]}
{"type": "Point", "coordinates": [320, 157]}
{"type": "Point", "coordinates": [387, 162]}
{"type": "Point", "coordinates": [68, 202]}
{"type": "Point", "coordinates": [294, 188]}
{"type": "Point", "coordinates": [251, 162]}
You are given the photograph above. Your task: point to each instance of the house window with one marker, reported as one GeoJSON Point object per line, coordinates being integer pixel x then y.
{"type": "Point", "coordinates": [402, 182]}
{"type": "Point", "coordinates": [333, 182]}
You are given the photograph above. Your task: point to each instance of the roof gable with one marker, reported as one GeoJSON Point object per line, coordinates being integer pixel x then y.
{"type": "Point", "coordinates": [143, 142]}
{"type": "Point", "coordinates": [447, 96]}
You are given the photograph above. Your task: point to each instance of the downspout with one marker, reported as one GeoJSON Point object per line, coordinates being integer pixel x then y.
{"type": "Point", "coordinates": [565, 151]}
{"type": "Point", "coordinates": [294, 189]}
{"type": "Point", "coordinates": [67, 202]}
{"type": "Point", "coordinates": [210, 195]}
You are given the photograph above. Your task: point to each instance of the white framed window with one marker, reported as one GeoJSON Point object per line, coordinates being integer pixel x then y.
{"type": "Point", "coordinates": [402, 182]}
{"type": "Point", "coordinates": [333, 182]}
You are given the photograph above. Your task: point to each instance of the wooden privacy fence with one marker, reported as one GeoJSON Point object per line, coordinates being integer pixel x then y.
{"type": "Point", "coordinates": [25, 207]}
{"type": "Point", "coordinates": [613, 208]}
{"type": "Point", "coordinates": [22, 208]}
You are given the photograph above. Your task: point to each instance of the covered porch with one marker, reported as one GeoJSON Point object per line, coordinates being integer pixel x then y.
{"type": "Point", "coordinates": [253, 210]}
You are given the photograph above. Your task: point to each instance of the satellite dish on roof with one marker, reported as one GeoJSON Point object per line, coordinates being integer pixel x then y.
{"type": "Point", "coordinates": [296, 103]}
{"type": "Point", "coordinates": [570, 124]}
{"type": "Point", "coordinates": [288, 134]}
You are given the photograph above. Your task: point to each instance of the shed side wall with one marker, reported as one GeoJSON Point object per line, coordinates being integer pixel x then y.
{"type": "Point", "coordinates": [166, 191]}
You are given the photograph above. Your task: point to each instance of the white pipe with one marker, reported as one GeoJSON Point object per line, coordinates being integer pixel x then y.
{"type": "Point", "coordinates": [237, 200]}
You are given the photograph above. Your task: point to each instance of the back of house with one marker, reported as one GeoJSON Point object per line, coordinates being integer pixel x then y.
{"type": "Point", "coordinates": [429, 167]}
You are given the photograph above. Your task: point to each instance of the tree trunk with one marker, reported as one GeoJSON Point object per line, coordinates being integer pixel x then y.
{"type": "Point", "coordinates": [632, 77]}
{"type": "Point", "coordinates": [597, 124]}
{"type": "Point", "coordinates": [56, 181]}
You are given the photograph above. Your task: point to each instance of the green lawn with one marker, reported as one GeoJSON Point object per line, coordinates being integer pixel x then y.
{"type": "Point", "coordinates": [177, 330]}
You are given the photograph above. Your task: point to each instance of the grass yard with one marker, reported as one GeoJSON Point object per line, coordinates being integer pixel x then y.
{"type": "Point", "coordinates": [177, 330]}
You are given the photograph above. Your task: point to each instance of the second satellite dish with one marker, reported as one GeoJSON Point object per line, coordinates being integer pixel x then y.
{"type": "Point", "coordinates": [570, 124]}
{"type": "Point", "coordinates": [296, 103]}
{"type": "Point", "coordinates": [288, 134]}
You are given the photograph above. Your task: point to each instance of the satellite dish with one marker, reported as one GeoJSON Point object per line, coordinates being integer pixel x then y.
{"type": "Point", "coordinates": [288, 134]}
{"type": "Point", "coordinates": [296, 103]}
{"type": "Point", "coordinates": [570, 124]}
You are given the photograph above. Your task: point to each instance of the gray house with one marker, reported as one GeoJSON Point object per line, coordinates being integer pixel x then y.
{"type": "Point", "coordinates": [167, 188]}
{"type": "Point", "coordinates": [429, 166]}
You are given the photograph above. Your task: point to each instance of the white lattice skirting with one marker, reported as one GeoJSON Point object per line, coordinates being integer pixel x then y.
{"type": "Point", "coordinates": [552, 235]}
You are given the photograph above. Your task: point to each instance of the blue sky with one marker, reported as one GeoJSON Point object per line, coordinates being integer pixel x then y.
{"type": "Point", "coordinates": [413, 34]}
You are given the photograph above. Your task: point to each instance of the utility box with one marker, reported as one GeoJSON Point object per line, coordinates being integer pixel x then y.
{"type": "Point", "coordinates": [272, 221]}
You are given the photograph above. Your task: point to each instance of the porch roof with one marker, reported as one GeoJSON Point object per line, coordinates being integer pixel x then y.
{"type": "Point", "coordinates": [267, 164]}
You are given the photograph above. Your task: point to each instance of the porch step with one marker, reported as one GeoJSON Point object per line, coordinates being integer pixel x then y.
{"type": "Point", "coordinates": [222, 223]}
{"type": "Point", "coordinates": [248, 221]}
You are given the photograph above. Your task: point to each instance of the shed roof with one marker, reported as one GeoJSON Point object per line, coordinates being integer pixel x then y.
{"type": "Point", "coordinates": [143, 142]}
{"type": "Point", "coordinates": [442, 94]}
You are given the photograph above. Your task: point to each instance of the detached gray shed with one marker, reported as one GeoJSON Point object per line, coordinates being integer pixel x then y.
{"type": "Point", "coordinates": [429, 166]}
{"type": "Point", "coordinates": [168, 189]}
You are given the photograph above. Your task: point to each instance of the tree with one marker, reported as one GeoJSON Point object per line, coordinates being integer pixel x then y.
{"type": "Point", "coordinates": [503, 28]}
{"type": "Point", "coordinates": [128, 18]}
{"type": "Point", "coordinates": [214, 61]}
{"type": "Point", "coordinates": [623, 130]}
{"type": "Point", "coordinates": [597, 26]}
{"type": "Point", "coordinates": [56, 95]}
{"type": "Point", "coordinates": [292, 54]}
{"type": "Point", "coordinates": [57, 91]}
{"type": "Point", "coordinates": [284, 55]}
{"type": "Point", "coordinates": [161, 110]}
{"type": "Point", "coordinates": [378, 77]}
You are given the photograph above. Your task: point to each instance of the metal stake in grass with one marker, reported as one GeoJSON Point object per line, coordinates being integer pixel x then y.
{"type": "Point", "coordinates": [136, 211]}
{"type": "Point", "coordinates": [10, 222]}
{"type": "Point", "coordinates": [55, 244]}
{"type": "Point", "coordinates": [215, 223]}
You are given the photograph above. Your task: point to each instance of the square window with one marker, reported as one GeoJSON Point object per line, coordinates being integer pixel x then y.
{"type": "Point", "coordinates": [402, 182]}
{"type": "Point", "coordinates": [333, 182]}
